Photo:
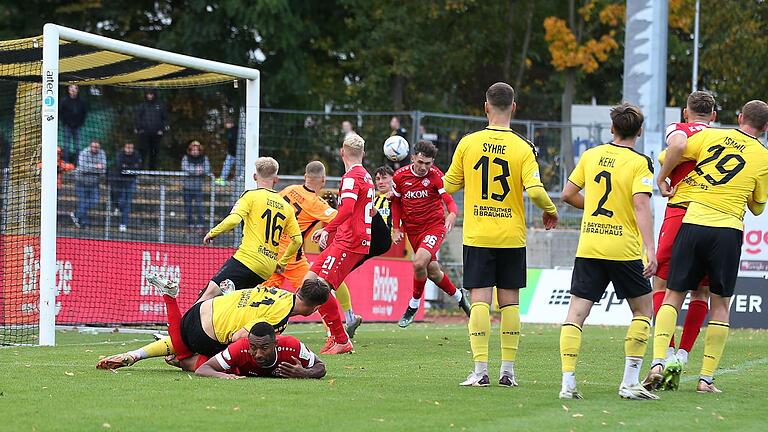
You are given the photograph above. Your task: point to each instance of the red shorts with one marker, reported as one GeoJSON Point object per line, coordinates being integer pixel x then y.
{"type": "Point", "coordinates": [334, 264]}
{"type": "Point", "coordinates": [429, 239]}
{"type": "Point", "coordinates": [673, 220]}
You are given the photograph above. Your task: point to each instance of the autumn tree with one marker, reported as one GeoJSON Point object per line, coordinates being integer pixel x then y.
{"type": "Point", "coordinates": [580, 45]}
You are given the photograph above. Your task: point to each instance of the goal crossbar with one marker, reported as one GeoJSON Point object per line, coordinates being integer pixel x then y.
{"type": "Point", "coordinates": [52, 36]}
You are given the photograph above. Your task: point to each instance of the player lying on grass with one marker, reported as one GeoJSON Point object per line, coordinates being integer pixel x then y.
{"type": "Point", "coordinates": [617, 182]}
{"type": "Point", "coordinates": [263, 354]}
{"type": "Point", "coordinates": [699, 112]}
{"type": "Point", "coordinates": [731, 175]}
{"type": "Point", "coordinates": [209, 326]}
{"type": "Point", "coordinates": [418, 196]}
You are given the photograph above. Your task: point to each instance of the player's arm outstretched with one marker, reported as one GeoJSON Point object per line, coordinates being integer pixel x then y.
{"type": "Point", "coordinates": [213, 369]}
{"type": "Point", "coordinates": [236, 217]}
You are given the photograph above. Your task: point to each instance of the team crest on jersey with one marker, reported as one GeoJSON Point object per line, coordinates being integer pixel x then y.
{"type": "Point", "coordinates": [425, 182]}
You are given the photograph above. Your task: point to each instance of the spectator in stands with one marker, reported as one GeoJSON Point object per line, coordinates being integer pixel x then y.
{"type": "Point", "coordinates": [197, 167]}
{"type": "Point", "coordinates": [125, 183]}
{"type": "Point", "coordinates": [230, 135]}
{"type": "Point", "coordinates": [346, 128]}
{"type": "Point", "coordinates": [91, 166]}
{"type": "Point", "coordinates": [394, 124]}
{"type": "Point", "coordinates": [72, 111]}
{"type": "Point", "coordinates": [151, 124]}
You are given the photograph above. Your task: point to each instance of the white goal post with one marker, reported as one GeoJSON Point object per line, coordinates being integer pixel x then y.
{"type": "Point", "coordinates": [52, 35]}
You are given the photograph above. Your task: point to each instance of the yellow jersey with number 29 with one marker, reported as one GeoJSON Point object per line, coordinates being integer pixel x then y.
{"type": "Point", "coordinates": [731, 167]}
{"type": "Point", "coordinates": [610, 176]}
{"type": "Point", "coordinates": [493, 166]}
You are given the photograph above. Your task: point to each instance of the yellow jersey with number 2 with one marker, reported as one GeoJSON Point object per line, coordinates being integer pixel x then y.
{"type": "Point", "coordinates": [610, 176]}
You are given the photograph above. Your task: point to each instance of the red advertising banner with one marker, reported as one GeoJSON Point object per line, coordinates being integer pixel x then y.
{"type": "Point", "coordinates": [105, 282]}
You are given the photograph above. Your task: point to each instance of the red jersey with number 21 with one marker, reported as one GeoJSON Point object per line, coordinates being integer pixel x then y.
{"type": "Point", "coordinates": [354, 233]}
{"type": "Point", "coordinates": [419, 198]}
{"type": "Point", "coordinates": [238, 361]}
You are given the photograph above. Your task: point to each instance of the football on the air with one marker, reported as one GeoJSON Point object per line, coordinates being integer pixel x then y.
{"type": "Point", "coordinates": [396, 148]}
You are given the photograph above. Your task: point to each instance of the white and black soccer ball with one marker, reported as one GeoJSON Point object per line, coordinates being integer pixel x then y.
{"type": "Point", "coordinates": [396, 148]}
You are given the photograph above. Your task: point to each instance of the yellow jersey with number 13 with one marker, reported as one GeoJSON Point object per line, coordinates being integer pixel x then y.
{"type": "Point", "coordinates": [731, 167]}
{"type": "Point", "coordinates": [610, 176]}
{"type": "Point", "coordinates": [493, 166]}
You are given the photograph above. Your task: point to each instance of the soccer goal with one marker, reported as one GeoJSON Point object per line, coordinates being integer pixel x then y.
{"type": "Point", "coordinates": [114, 162]}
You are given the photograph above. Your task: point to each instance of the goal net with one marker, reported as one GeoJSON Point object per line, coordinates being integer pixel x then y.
{"type": "Point", "coordinates": [115, 160]}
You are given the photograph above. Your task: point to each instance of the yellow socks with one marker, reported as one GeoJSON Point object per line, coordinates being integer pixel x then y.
{"type": "Point", "coordinates": [480, 330]}
{"type": "Point", "coordinates": [570, 344]}
{"type": "Point", "coordinates": [510, 332]}
{"type": "Point", "coordinates": [158, 348]}
{"type": "Point", "coordinates": [714, 343]}
{"type": "Point", "coordinates": [342, 295]}
{"type": "Point", "coordinates": [636, 341]}
{"type": "Point", "coordinates": [666, 319]}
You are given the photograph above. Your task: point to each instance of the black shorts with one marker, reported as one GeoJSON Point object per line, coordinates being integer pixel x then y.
{"type": "Point", "coordinates": [591, 276]}
{"type": "Point", "coordinates": [238, 273]}
{"type": "Point", "coordinates": [194, 336]}
{"type": "Point", "coordinates": [504, 268]}
{"type": "Point", "coordinates": [381, 239]}
{"type": "Point", "coordinates": [702, 250]}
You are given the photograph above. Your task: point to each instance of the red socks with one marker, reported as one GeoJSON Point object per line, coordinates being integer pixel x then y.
{"type": "Point", "coordinates": [174, 328]}
{"type": "Point", "coordinates": [447, 286]}
{"type": "Point", "coordinates": [418, 288]}
{"type": "Point", "coordinates": [332, 318]}
{"type": "Point", "coordinates": [658, 300]}
{"type": "Point", "coordinates": [697, 313]}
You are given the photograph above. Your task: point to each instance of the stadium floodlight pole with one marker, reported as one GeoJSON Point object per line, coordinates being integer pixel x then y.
{"type": "Point", "coordinates": [48, 190]}
{"type": "Point", "coordinates": [695, 79]}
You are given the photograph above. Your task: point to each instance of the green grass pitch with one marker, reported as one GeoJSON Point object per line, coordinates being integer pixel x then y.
{"type": "Point", "coordinates": [397, 380]}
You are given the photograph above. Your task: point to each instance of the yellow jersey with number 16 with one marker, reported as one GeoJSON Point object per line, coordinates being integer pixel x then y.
{"type": "Point", "coordinates": [266, 216]}
{"type": "Point", "coordinates": [731, 167]}
{"type": "Point", "coordinates": [493, 166]}
{"type": "Point", "coordinates": [610, 176]}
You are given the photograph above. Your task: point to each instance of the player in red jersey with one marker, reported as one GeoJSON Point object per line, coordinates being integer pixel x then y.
{"type": "Point", "coordinates": [417, 200]}
{"type": "Point", "coordinates": [351, 233]}
{"type": "Point", "coordinates": [263, 354]}
{"type": "Point", "coordinates": [699, 112]}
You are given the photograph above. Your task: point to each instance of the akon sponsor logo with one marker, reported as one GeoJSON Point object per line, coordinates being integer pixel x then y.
{"type": "Point", "coordinates": [416, 194]}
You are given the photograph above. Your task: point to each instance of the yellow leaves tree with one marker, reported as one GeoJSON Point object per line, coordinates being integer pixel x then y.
{"type": "Point", "coordinates": [581, 43]}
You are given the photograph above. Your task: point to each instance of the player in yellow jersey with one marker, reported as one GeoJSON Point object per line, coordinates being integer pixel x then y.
{"type": "Point", "coordinates": [311, 212]}
{"type": "Point", "coordinates": [615, 228]}
{"type": "Point", "coordinates": [265, 217]}
{"type": "Point", "coordinates": [210, 325]}
{"type": "Point", "coordinates": [382, 178]}
{"type": "Point", "coordinates": [494, 166]}
{"type": "Point", "coordinates": [731, 174]}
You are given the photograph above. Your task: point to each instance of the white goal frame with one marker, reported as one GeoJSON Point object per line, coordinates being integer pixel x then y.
{"type": "Point", "coordinates": [52, 34]}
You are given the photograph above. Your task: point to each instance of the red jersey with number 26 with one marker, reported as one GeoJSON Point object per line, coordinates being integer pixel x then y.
{"type": "Point", "coordinates": [238, 361]}
{"type": "Point", "coordinates": [353, 228]}
{"type": "Point", "coordinates": [684, 168]}
{"type": "Point", "coordinates": [422, 206]}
